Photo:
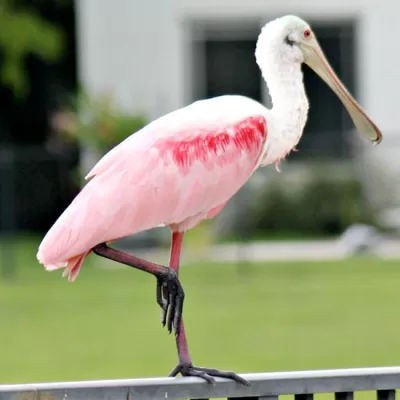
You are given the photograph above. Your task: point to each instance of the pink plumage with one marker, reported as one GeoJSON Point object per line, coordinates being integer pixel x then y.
{"type": "Point", "coordinates": [177, 171]}
{"type": "Point", "coordinates": [185, 166]}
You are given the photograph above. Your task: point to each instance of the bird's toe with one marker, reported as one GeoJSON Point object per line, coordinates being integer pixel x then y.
{"type": "Point", "coordinates": [208, 374]}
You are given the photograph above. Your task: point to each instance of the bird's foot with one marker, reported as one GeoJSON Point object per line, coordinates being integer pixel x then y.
{"type": "Point", "coordinates": [208, 374]}
{"type": "Point", "coordinates": [170, 296]}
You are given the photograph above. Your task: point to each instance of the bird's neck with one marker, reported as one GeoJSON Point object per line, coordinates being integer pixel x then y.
{"type": "Point", "coordinates": [288, 114]}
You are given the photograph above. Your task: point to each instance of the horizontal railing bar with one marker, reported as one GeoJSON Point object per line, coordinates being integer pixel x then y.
{"type": "Point", "coordinates": [264, 384]}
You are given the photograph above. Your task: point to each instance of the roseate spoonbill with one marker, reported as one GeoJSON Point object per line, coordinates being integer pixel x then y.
{"type": "Point", "coordinates": [185, 166]}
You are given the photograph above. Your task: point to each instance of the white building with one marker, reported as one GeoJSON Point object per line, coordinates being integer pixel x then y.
{"type": "Point", "coordinates": [155, 55]}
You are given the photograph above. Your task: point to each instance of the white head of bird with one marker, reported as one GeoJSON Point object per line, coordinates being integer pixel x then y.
{"type": "Point", "coordinates": [283, 45]}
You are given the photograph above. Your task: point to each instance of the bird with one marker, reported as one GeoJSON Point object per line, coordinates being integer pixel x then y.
{"type": "Point", "coordinates": [183, 168]}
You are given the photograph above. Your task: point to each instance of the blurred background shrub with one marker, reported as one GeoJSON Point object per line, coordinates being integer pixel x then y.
{"type": "Point", "coordinates": [95, 122]}
{"type": "Point", "coordinates": [320, 206]}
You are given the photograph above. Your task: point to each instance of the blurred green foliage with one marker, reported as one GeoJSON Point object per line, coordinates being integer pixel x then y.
{"type": "Point", "coordinates": [23, 31]}
{"type": "Point", "coordinates": [321, 207]}
{"type": "Point", "coordinates": [95, 121]}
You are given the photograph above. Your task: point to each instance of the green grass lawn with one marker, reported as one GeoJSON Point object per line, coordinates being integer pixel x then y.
{"type": "Point", "coordinates": [276, 316]}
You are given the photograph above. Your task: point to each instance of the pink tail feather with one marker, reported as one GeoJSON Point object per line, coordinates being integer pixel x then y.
{"type": "Point", "coordinates": [72, 266]}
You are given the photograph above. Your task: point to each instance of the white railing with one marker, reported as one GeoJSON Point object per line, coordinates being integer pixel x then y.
{"type": "Point", "coordinates": [302, 384]}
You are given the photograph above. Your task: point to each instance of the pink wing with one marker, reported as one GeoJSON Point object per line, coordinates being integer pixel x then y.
{"type": "Point", "coordinates": [162, 176]}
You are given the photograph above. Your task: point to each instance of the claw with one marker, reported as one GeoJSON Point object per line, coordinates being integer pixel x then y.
{"type": "Point", "coordinates": [160, 300]}
{"type": "Point", "coordinates": [164, 316]}
{"type": "Point", "coordinates": [209, 379]}
{"type": "Point", "coordinates": [172, 309]}
{"type": "Point", "coordinates": [170, 296]}
{"type": "Point", "coordinates": [165, 308]}
{"type": "Point", "coordinates": [179, 312]}
{"type": "Point", "coordinates": [207, 373]}
{"type": "Point", "coordinates": [225, 374]}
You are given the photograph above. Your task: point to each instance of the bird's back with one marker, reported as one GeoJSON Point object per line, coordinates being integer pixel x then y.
{"type": "Point", "coordinates": [176, 171]}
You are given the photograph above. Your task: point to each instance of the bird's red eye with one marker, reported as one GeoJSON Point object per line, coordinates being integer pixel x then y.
{"type": "Point", "coordinates": [307, 33]}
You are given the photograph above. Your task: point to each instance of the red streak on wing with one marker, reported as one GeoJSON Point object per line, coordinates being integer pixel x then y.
{"type": "Point", "coordinates": [220, 147]}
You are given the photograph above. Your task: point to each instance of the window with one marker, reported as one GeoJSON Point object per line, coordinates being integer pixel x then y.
{"type": "Point", "coordinates": [228, 66]}
{"type": "Point", "coordinates": [327, 130]}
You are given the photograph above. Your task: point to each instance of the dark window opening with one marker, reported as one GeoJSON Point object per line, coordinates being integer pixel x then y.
{"type": "Point", "coordinates": [229, 67]}
{"type": "Point", "coordinates": [327, 132]}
